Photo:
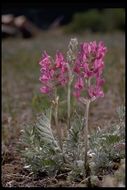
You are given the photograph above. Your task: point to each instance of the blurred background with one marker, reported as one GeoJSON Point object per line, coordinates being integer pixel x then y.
{"type": "Point", "coordinates": [27, 22]}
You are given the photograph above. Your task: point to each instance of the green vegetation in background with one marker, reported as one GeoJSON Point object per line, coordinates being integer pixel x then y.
{"type": "Point", "coordinates": [106, 20]}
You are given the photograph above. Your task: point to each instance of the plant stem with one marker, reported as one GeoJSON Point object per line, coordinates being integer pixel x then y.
{"type": "Point", "coordinates": [70, 75]}
{"type": "Point", "coordinates": [86, 138]}
{"type": "Point", "coordinates": [58, 128]}
{"type": "Point", "coordinates": [68, 105]}
{"type": "Point", "coordinates": [50, 116]}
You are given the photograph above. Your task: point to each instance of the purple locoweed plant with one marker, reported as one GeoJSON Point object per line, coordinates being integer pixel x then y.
{"type": "Point", "coordinates": [88, 70]}
{"type": "Point", "coordinates": [81, 73]}
{"type": "Point", "coordinates": [53, 74]}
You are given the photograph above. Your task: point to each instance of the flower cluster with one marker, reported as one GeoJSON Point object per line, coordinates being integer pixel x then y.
{"type": "Point", "coordinates": [53, 73]}
{"type": "Point", "coordinates": [89, 65]}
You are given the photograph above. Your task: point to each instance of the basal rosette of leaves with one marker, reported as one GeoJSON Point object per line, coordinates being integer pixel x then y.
{"type": "Point", "coordinates": [43, 155]}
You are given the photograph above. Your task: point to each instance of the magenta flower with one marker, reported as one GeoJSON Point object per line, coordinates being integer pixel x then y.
{"type": "Point", "coordinates": [61, 67]}
{"type": "Point", "coordinates": [53, 73]}
{"type": "Point", "coordinates": [59, 60]}
{"type": "Point", "coordinates": [95, 92]}
{"type": "Point", "coordinates": [46, 73]}
{"type": "Point", "coordinates": [90, 59]}
{"type": "Point", "coordinates": [79, 85]}
{"type": "Point", "coordinates": [90, 64]}
{"type": "Point", "coordinates": [45, 89]}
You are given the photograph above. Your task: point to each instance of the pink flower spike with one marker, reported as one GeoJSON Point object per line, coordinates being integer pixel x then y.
{"type": "Point", "coordinates": [89, 64]}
